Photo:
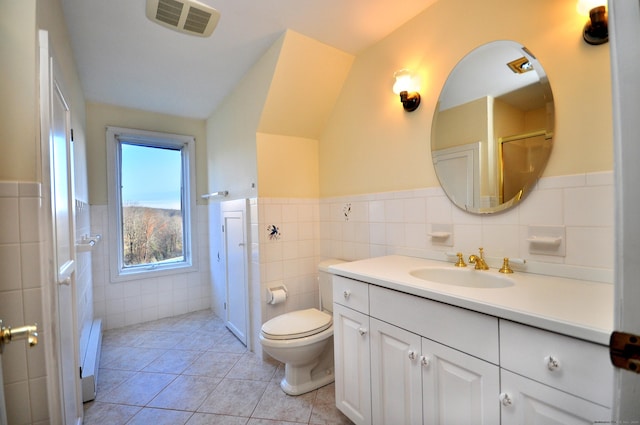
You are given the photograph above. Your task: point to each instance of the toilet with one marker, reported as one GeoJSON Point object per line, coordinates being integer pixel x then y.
{"type": "Point", "coordinates": [303, 340]}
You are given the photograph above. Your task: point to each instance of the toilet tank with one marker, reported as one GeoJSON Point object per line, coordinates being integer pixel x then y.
{"type": "Point", "coordinates": [325, 285]}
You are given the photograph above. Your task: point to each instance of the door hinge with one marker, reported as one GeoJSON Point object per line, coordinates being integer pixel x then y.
{"type": "Point", "coordinates": [624, 350]}
{"type": "Point", "coordinates": [223, 228]}
{"type": "Point", "coordinates": [72, 134]}
{"type": "Point", "coordinates": [225, 305]}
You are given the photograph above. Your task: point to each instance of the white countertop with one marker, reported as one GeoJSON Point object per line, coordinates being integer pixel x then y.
{"type": "Point", "coordinates": [577, 308]}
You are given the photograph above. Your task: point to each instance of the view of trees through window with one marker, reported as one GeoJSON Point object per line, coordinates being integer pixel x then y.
{"type": "Point", "coordinates": [151, 235]}
{"type": "Point", "coordinates": [152, 216]}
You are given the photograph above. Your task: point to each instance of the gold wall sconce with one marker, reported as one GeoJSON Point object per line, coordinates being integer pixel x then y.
{"type": "Point", "coordinates": [596, 30]}
{"type": "Point", "coordinates": [406, 87]}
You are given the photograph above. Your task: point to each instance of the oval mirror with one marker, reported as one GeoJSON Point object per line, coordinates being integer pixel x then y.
{"type": "Point", "coordinates": [492, 129]}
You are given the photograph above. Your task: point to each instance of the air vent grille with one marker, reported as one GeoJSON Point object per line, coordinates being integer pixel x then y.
{"type": "Point", "coordinates": [187, 16]}
{"type": "Point", "coordinates": [169, 12]}
{"type": "Point", "coordinates": [197, 20]}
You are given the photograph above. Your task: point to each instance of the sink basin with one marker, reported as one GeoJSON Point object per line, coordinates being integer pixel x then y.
{"type": "Point", "coordinates": [470, 278]}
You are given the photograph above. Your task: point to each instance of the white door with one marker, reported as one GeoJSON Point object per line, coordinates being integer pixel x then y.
{"type": "Point", "coordinates": [352, 363]}
{"type": "Point", "coordinates": [58, 177]}
{"type": "Point", "coordinates": [458, 388]}
{"type": "Point", "coordinates": [625, 61]}
{"type": "Point", "coordinates": [458, 169]}
{"type": "Point", "coordinates": [234, 227]}
{"type": "Point", "coordinates": [396, 381]}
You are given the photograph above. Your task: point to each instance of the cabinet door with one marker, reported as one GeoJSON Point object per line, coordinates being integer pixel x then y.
{"type": "Point", "coordinates": [352, 364]}
{"type": "Point", "coordinates": [396, 382]}
{"type": "Point", "coordinates": [458, 388]}
{"type": "Point", "coordinates": [527, 402]}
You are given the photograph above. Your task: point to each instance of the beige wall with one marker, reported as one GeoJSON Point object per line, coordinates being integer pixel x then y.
{"type": "Point", "coordinates": [231, 131]}
{"type": "Point", "coordinates": [371, 145]}
{"type": "Point", "coordinates": [99, 116]}
{"type": "Point", "coordinates": [276, 115]}
{"type": "Point", "coordinates": [287, 166]}
{"type": "Point", "coordinates": [306, 83]}
{"type": "Point", "coordinates": [18, 91]}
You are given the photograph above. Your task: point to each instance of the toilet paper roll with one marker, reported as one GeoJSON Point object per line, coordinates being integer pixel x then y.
{"type": "Point", "coordinates": [277, 296]}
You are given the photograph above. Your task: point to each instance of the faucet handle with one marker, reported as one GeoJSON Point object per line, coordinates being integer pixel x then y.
{"type": "Point", "coordinates": [460, 262]}
{"type": "Point", "coordinates": [481, 252]}
{"type": "Point", "coordinates": [506, 268]}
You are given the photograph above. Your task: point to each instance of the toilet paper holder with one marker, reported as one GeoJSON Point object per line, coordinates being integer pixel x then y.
{"type": "Point", "coordinates": [277, 294]}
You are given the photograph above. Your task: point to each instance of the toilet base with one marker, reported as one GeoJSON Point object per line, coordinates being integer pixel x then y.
{"type": "Point", "coordinates": [300, 379]}
{"type": "Point", "coordinates": [308, 386]}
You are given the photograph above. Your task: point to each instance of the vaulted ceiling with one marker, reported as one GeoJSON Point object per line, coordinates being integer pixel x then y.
{"type": "Point", "coordinates": [127, 60]}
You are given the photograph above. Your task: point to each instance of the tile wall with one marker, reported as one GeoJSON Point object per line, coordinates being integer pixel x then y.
{"type": "Point", "coordinates": [126, 303]}
{"type": "Point", "coordinates": [25, 379]}
{"type": "Point", "coordinates": [287, 232]}
{"type": "Point", "coordinates": [291, 236]}
{"type": "Point", "coordinates": [371, 225]}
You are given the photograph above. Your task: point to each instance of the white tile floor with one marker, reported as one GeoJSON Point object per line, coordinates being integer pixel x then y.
{"type": "Point", "coordinates": [191, 370]}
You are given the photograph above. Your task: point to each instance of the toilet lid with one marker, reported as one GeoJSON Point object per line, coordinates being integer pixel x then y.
{"type": "Point", "coordinates": [296, 324]}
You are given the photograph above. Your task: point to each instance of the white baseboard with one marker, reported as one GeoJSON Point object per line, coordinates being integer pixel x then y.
{"type": "Point", "coordinates": [91, 362]}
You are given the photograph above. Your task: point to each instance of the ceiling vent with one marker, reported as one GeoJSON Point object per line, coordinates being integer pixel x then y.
{"type": "Point", "coordinates": [188, 16]}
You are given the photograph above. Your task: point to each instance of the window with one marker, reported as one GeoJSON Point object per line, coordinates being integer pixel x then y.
{"type": "Point", "coordinates": [151, 200]}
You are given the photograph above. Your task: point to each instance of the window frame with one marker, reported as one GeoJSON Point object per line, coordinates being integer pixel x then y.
{"type": "Point", "coordinates": [115, 136]}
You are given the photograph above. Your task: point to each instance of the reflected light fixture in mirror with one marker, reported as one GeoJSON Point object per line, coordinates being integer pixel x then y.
{"type": "Point", "coordinates": [596, 30]}
{"type": "Point", "coordinates": [405, 86]}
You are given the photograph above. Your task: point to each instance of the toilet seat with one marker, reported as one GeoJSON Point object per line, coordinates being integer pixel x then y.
{"type": "Point", "coordinates": [297, 324]}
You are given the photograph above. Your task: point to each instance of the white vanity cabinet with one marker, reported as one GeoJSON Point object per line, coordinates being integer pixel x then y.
{"type": "Point", "coordinates": [402, 358]}
{"type": "Point", "coordinates": [389, 369]}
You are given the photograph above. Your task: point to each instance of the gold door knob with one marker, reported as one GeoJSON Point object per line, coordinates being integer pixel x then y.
{"type": "Point", "coordinates": [29, 332]}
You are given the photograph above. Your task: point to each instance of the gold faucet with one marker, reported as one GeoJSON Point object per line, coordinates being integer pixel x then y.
{"type": "Point", "coordinates": [479, 262]}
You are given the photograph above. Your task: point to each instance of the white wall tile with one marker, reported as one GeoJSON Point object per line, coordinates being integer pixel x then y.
{"type": "Point", "coordinates": [543, 207]}
{"type": "Point", "coordinates": [29, 219]}
{"type": "Point", "coordinates": [590, 246]}
{"type": "Point", "coordinates": [39, 399]}
{"type": "Point", "coordinates": [415, 210]}
{"type": "Point", "coordinates": [377, 212]}
{"type": "Point", "coordinates": [588, 206]}
{"type": "Point", "coordinates": [11, 271]}
{"type": "Point", "coordinates": [9, 189]}
{"type": "Point", "coordinates": [582, 202]}
{"type": "Point", "coordinates": [501, 240]}
{"type": "Point", "coordinates": [439, 210]}
{"type": "Point", "coordinates": [377, 233]}
{"type": "Point", "coordinates": [394, 211]}
{"type": "Point", "coordinates": [18, 402]}
{"type": "Point", "coordinates": [573, 180]}
{"type": "Point", "coordinates": [9, 221]}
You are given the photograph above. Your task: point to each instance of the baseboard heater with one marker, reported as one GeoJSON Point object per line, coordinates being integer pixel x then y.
{"type": "Point", "coordinates": [91, 362]}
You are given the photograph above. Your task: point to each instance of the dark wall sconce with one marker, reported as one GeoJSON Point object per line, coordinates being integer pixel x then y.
{"type": "Point", "coordinates": [596, 30]}
{"type": "Point", "coordinates": [405, 86]}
